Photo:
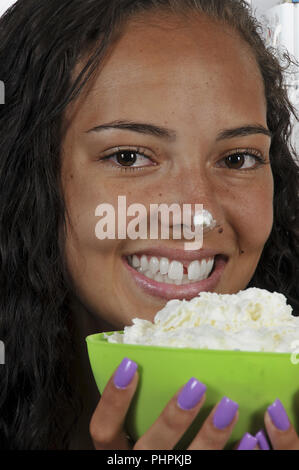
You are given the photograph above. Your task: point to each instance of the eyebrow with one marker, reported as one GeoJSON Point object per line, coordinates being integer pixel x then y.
{"type": "Point", "coordinates": [170, 135]}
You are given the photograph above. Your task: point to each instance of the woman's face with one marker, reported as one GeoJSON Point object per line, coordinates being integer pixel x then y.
{"type": "Point", "coordinates": [200, 81]}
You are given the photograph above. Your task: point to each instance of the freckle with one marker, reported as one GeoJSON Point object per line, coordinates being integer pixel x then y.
{"type": "Point", "coordinates": [160, 194]}
{"type": "Point", "coordinates": [71, 176]}
{"type": "Point", "coordinates": [220, 230]}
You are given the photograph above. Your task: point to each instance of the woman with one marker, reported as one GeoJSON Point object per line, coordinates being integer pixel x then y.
{"type": "Point", "coordinates": [159, 101]}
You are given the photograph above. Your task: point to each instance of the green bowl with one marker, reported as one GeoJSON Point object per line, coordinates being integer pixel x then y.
{"type": "Point", "coordinates": [252, 379]}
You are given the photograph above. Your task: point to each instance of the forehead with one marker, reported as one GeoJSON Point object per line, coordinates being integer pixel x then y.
{"type": "Point", "coordinates": [170, 63]}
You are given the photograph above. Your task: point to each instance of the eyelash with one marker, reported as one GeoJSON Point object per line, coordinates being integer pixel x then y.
{"type": "Point", "coordinates": [249, 152]}
{"type": "Point", "coordinates": [137, 150]}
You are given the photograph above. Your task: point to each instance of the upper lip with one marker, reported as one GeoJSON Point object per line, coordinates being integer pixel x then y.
{"type": "Point", "coordinates": [177, 254]}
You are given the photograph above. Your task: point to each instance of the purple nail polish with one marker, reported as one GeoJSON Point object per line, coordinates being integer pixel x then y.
{"type": "Point", "coordinates": [262, 440]}
{"type": "Point", "coordinates": [248, 442]}
{"type": "Point", "coordinates": [225, 413]}
{"type": "Point", "coordinates": [278, 415]}
{"type": "Point", "coordinates": [125, 373]}
{"type": "Point", "coordinates": [191, 394]}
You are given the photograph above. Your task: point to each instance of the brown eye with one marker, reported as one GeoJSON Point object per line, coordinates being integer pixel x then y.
{"type": "Point", "coordinates": [235, 161]}
{"type": "Point", "coordinates": [241, 161]}
{"type": "Point", "coordinates": [126, 158]}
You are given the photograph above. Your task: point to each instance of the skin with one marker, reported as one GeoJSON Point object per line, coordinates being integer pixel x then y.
{"type": "Point", "coordinates": [196, 78]}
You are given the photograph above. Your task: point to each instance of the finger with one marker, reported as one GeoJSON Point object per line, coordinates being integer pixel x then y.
{"type": "Point", "coordinates": [279, 428]}
{"type": "Point", "coordinates": [217, 427]}
{"type": "Point", "coordinates": [106, 425]}
{"type": "Point", "coordinates": [262, 440]}
{"type": "Point", "coordinates": [175, 419]}
{"type": "Point", "coordinates": [248, 442]}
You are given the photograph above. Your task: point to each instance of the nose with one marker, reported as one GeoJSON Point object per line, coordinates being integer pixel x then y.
{"type": "Point", "coordinates": [196, 188]}
{"type": "Point", "coordinates": [198, 203]}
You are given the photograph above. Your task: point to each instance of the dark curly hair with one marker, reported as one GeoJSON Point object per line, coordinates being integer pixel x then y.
{"type": "Point", "coordinates": [41, 41]}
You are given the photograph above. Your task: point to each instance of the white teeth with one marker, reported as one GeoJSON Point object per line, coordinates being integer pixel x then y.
{"type": "Point", "coordinates": [159, 278]}
{"type": "Point", "coordinates": [164, 265]}
{"type": "Point", "coordinates": [194, 270]}
{"type": "Point", "coordinates": [175, 271]}
{"type": "Point", "coordinates": [149, 274]}
{"type": "Point", "coordinates": [171, 272]}
{"type": "Point", "coordinates": [197, 271]}
{"type": "Point", "coordinates": [209, 267]}
{"type": "Point", "coordinates": [203, 267]}
{"type": "Point", "coordinates": [144, 263]}
{"type": "Point", "coordinates": [154, 265]}
{"type": "Point", "coordinates": [135, 262]}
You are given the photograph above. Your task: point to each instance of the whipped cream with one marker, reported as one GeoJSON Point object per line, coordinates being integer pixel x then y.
{"type": "Point", "coordinates": [251, 320]}
{"type": "Point", "coordinates": [205, 219]}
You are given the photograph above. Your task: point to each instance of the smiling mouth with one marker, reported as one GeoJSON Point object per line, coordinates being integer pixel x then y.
{"type": "Point", "coordinates": [168, 271]}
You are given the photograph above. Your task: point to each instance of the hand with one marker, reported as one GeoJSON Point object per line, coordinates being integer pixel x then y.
{"type": "Point", "coordinates": [281, 432]}
{"type": "Point", "coordinates": [107, 423]}
{"type": "Point", "coordinates": [279, 428]}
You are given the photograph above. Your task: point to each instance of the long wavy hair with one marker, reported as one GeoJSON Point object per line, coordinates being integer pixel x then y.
{"type": "Point", "coordinates": [40, 43]}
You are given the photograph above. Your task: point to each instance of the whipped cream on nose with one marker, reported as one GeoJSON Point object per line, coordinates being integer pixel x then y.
{"type": "Point", "coordinates": [203, 222]}
{"type": "Point", "coordinates": [205, 219]}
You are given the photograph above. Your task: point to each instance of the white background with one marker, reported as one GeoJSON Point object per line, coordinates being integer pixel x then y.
{"type": "Point", "coordinates": [262, 5]}
{"type": "Point", "coordinates": [4, 4]}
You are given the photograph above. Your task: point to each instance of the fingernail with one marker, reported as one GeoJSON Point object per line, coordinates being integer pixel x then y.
{"type": "Point", "coordinates": [262, 440]}
{"type": "Point", "coordinates": [248, 442]}
{"type": "Point", "coordinates": [225, 413]}
{"type": "Point", "coordinates": [125, 373]}
{"type": "Point", "coordinates": [191, 394]}
{"type": "Point", "coordinates": [278, 415]}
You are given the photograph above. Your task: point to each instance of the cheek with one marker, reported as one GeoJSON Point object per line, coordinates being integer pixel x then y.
{"type": "Point", "coordinates": [254, 215]}
{"type": "Point", "coordinates": [85, 197]}
{"type": "Point", "coordinates": [90, 261]}
{"type": "Point", "coordinates": [83, 194]}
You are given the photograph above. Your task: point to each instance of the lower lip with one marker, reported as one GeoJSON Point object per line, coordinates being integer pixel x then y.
{"type": "Point", "coordinates": [185, 291]}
